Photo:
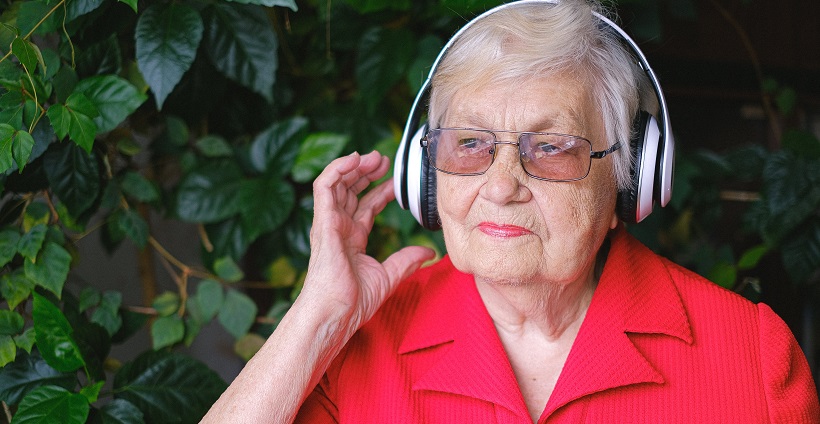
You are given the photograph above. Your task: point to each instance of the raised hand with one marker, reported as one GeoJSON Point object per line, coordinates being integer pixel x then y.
{"type": "Point", "coordinates": [341, 275]}
{"type": "Point", "coordinates": [344, 287]}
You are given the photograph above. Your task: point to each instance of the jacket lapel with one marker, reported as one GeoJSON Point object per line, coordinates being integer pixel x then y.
{"type": "Point", "coordinates": [635, 294]}
{"type": "Point", "coordinates": [469, 359]}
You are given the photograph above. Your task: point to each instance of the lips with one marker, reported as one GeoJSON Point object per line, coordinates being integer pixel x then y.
{"type": "Point", "coordinates": [502, 230]}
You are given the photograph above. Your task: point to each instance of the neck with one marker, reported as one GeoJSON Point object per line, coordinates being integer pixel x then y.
{"type": "Point", "coordinates": [550, 309]}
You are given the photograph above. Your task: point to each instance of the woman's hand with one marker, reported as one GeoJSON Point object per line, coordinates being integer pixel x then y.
{"type": "Point", "coordinates": [341, 276]}
{"type": "Point", "coordinates": [344, 287]}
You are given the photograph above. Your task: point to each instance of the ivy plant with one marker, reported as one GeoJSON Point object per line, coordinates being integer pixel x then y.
{"type": "Point", "coordinates": [215, 113]}
{"type": "Point", "coordinates": [219, 114]}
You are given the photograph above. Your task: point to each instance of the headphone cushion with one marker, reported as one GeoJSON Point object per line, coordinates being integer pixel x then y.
{"type": "Point", "coordinates": [627, 205]}
{"type": "Point", "coordinates": [429, 206]}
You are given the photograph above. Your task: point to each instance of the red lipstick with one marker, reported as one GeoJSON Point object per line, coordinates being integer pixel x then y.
{"type": "Point", "coordinates": [502, 230]}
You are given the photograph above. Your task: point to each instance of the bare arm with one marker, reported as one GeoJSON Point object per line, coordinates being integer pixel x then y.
{"type": "Point", "coordinates": [344, 287]}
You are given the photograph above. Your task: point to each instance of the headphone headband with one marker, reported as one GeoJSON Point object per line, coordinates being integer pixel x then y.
{"type": "Point", "coordinates": [410, 192]}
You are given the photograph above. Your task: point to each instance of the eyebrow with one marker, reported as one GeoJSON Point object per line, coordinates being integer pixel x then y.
{"type": "Point", "coordinates": [479, 119]}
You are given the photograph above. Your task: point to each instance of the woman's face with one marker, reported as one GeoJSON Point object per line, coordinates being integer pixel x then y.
{"type": "Point", "coordinates": [511, 228]}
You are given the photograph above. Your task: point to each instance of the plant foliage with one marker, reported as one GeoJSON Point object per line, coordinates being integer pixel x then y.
{"type": "Point", "coordinates": [219, 114]}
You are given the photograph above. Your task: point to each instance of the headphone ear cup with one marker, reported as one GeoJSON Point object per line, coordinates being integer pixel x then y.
{"type": "Point", "coordinates": [429, 207]}
{"type": "Point", "coordinates": [627, 203]}
{"type": "Point", "coordinates": [635, 203]}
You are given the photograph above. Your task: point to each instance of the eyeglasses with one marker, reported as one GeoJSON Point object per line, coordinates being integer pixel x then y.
{"type": "Point", "coordinates": [544, 156]}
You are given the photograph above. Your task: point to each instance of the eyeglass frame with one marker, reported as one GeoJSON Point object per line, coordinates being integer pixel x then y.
{"type": "Point", "coordinates": [593, 154]}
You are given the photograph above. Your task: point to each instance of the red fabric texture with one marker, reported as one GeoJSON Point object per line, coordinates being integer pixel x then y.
{"type": "Point", "coordinates": [659, 344]}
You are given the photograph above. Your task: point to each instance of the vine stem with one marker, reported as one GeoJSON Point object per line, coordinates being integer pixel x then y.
{"type": "Point", "coordinates": [34, 28]}
{"type": "Point", "coordinates": [758, 68]}
{"type": "Point", "coordinates": [7, 411]}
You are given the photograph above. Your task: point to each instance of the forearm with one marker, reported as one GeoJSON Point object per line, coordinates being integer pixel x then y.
{"type": "Point", "coordinates": [273, 385]}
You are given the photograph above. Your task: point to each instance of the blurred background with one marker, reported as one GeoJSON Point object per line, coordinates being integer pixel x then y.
{"type": "Point", "coordinates": [158, 160]}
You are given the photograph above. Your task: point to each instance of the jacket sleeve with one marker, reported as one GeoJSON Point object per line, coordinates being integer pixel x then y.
{"type": "Point", "coordinates": [318, 408]}
{"type": "Point", "coordinates": [790, 391]}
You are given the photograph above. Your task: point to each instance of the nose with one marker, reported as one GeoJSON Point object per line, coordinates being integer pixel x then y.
{"type": "Point", "coordinates": [506, 180]}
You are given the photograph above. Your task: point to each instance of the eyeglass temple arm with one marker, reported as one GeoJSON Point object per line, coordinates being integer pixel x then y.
{"type": "Point", "coordinates": [600, 154]}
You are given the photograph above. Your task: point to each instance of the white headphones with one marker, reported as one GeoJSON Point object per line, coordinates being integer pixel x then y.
{"type": "Point", "coordinates": [652, 146]}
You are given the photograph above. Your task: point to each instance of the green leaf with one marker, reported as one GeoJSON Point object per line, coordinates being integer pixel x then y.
{"type": "Point", "coordinates": [77, 8]}
{"type": "Point", "coordinates": [133, 5]}
{"type": "Point", "coordinates": [785, 100]}
{"type": "Point", "coordinates": [107, 314]}
{"type": "Point", "coordinates": [21, 148]}
{"type": "Point", "coordinates": [238, 313]}
{"type": "Point", "coordinates": [384, 55]}
{"type": "Point", "coordinates": [317, 151]}
{"type": "Point", "coordinates": [166, 331]}
{"type": "Point", "coordinates": [270, 3]}
{"type": "Point", "coordinates": [214, 146]}
{"type": "Point", "coordinates": [12, 104]}
{"type": "Point", "coordinates": [210, 194]}
{"type": "Point", "coordinates": [802, 143]}
{"type": "Point", "coordinates": [801, 252]}
{"type": "Point", "coordinates": [15, 287]}
{"type": "Point", "coordinates": [132, 225]}
{"type": "Point", "coordinates": [248, 345]}
{"type": "Point", "coordinates": [89, 298]}
{"type": "Point", "coordinates": [166, 304]}
{"type": "Point", "coordinates": [724, 274]}
{"type": "Point", "coordinates": [75, 119]}
{"type": "Point", "coordinates": [242, 45]}
{"type": "Point", "coordinates": [31, 242]}
{"type": "Point", "coordinates": [751, 257]}
{"type": "Point", "coordinates": [52, 404]}
{"type": "Point", "coordinates": [8, 350]}
{"type": "Point", "coordinates": [74, 176]}
{"type": "Point", "coordinates": [120, 411]}
{"type": "Point", "coordinates": [64, 83]}
{"type": "Point", "coordinates": [8, 245]}
{"type": "Point", "coordinates": [168, 387]}
{"type": "Point", "coordinates": [54, 336]}
{"type": "Point", "coordinates": [114, 97]}
{"type": "Point", "coordinates": [228, 270]}
{"type": "Point", "coordinates": [275, 149]}
{"type": "Point", "coordinates": [103, 57]}
{"type": "Point", "coordinates": [6, 140]}
{"type": "Point", "coordinates": [28, 54]}
{"type": "Point", "coordinates": [167, 38]}
{"type": "Point", "coordinates": [92, 392]}
{"type": "Point", "coordinates": [26, 340]}
{"type": "Point", "coordinates": [37, 213]}
{"type": "Point", "coordinates": [28, 372]}
{"type": "Point", "coordinates": [228, 239]}
{"type": "Point", "coordinates": [34, 16]}
{"type": "Point", "coordinates": [209, 296]}
{"type": "Point", "coordinates": [11, 323]}
{"type": "Point", "coordinates": [265, 205]}
{"type": "Point", "coordinates": [138, 187]}
{"type": "Point", "coordinates": [51, 268]}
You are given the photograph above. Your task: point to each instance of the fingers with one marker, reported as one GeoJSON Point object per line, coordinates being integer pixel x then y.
{"type": "Point", "coordinates": [401, 264]}
{"type": "Point", "coordinates": [372, 203]}
{"type": "Point", "coordinates": [345, 178]}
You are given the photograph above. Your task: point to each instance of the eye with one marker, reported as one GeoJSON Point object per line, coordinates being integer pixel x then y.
{"type": "Point", "coordinates": [469, 143]}
{"type": "Point", "coordinates": [546, 149]}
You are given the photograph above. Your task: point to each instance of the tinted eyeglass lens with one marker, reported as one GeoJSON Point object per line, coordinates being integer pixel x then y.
{"type": "Point", "coordinates": [555, 157]}
{"type": "Point", "coordinates": [460, 151]}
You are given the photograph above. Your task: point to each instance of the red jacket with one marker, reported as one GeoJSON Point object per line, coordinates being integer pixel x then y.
{"type": "Point", "coordinates": [659, 344]}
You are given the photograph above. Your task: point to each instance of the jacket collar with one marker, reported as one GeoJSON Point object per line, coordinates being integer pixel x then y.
{"type": "Point", "coordinates": [635, 294]}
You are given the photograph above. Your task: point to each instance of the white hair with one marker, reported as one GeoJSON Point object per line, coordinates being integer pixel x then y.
{"type": "Point", "coordinates": [520, 43]}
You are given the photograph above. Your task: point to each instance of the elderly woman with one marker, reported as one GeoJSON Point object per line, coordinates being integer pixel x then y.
{"type": "Point", "coordinates": [544, 309]}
